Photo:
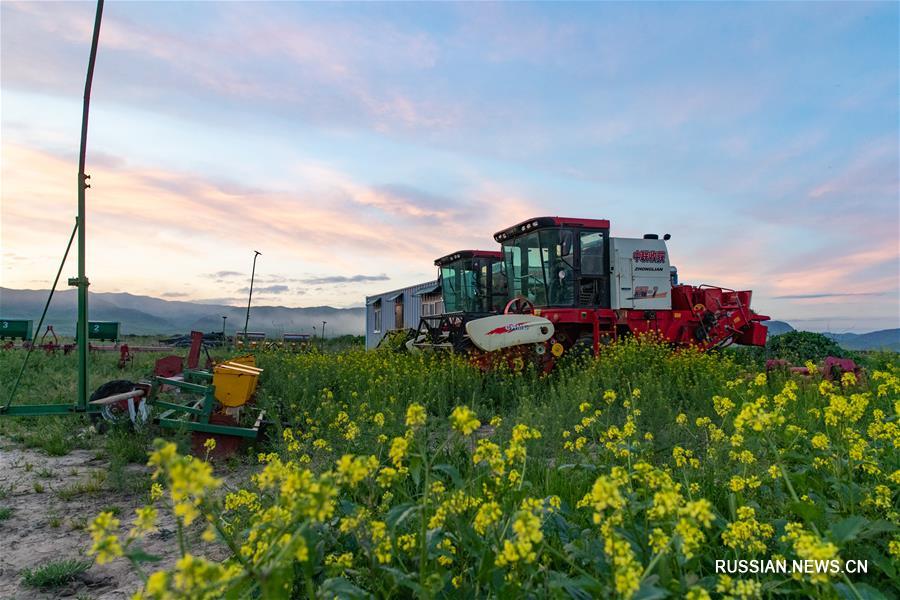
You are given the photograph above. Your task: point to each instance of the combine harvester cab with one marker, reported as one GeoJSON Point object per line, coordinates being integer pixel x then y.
{"type": "Point", "coordinates": [572, 285]}
{"type": "Point", "coordinates": [473, 286]}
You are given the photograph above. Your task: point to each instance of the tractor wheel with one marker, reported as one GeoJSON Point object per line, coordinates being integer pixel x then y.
{"type": "Point", "coordinates": [520, 305]}
{"type": "Point", "coordinates": [463, 345]}
{"type": "Point", "coordinates": [117, 412]}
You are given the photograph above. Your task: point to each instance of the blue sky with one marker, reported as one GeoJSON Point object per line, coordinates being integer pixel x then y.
{"type": "Point", "coordinates": [359, 141]}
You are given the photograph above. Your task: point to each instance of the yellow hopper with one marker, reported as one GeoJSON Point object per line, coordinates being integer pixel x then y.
{"type": "Point", "coordinates": [235, 382]}
{"type": "Point", "coordinates": [248, 360]}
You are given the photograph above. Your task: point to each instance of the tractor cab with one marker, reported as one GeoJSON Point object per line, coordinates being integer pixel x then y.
{"type": "Point", "coordinates": [473, 286]}
{"type": "Point", "coordinates": [557, 261]}
{"type": "Point", "coordinates": [472, 281]}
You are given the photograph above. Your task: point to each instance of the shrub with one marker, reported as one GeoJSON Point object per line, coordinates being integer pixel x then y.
{"type": "Point", "coordinates": [800, 346]}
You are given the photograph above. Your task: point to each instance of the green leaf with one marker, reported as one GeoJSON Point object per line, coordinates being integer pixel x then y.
{"type": "Point", "coordinates": [406, 580]}
{"type": "Point", "coordinates": [278, 583]}
{"type": "Point", "coordinates": [848, 529]}
{"type": "Point", "coordinates": [878, 527]}
{"type": "Point", "coordinates": [338, 587]}
{"type": "Point", "coordinates": [139, 556]}
{"type": "Point", "coordinates": [885, 564]}
{"type": "Point", "coordinates": [583, 466]}
{"type": "Point", "coordinates": [806, 510]}
{"type": "Point", "coordinates": [580, 588]}
{"type": "Point", "coordinates": [398, 514]}
{"type": "Point", "coordinates": [649, 591]}
{"type": "Point", "coordinates": [415, 469]}
{"type": "Point", "coordinates": [452, 472]}
{"type": "Point", "coordinates": [865, 591]}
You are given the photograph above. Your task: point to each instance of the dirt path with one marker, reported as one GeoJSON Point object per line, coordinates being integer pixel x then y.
{"type": "Point", "coordinates": [53, 498]}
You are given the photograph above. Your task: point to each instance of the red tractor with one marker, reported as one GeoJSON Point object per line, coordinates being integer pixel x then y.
{"type": "Point", "coordinates": [572, 285]}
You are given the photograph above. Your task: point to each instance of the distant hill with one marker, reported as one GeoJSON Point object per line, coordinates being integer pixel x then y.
{"type": "Point", "coordinates": [777, 327]}
{"type": "Point", "coordinates": [886, 339]}
{"type": "Point", "coordinates": [144, 315]}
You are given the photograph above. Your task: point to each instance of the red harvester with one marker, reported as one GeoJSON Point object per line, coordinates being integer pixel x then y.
{"type": "Point", "coordinates": [569, 284]}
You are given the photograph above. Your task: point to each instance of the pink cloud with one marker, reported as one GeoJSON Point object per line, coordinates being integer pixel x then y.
{"type": "Point", "coordinates": [141, 219]}
{"type": "Point", "coordinates": [329, 70]}
{"type": "Point", "coordinates": [873, 171]}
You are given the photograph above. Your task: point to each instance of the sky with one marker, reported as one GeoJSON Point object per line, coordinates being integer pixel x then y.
{"type": "Point", "coordinates": [351, 144]}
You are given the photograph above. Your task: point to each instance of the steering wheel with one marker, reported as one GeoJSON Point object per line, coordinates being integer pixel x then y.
{"type": "Point", "coordinates": [520, 305]}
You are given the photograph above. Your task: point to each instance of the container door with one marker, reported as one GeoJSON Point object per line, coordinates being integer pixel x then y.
{"type": "Point", "coordinates": [624, 281]}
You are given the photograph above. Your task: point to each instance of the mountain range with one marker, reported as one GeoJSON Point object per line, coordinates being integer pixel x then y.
{"type": "Point", "coordinates": [145, 315]}
{"type": "Point", "coordinates": [884, 339]}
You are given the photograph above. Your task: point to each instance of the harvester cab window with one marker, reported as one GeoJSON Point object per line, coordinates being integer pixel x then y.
{"type": "Point", "coordinates": [539, 267]}
{"type": "Point", "coordinates": [499, 287]}
{"type": "Point", "coordinates": [461, 285]}
{"type": "Point", "coordinates": [592, 249]}
{"type": "Point", "coordinates": [484, 285]}
{"type": "Point", "coordinates": [450, 287]}
{"type": "Point", "coordinates": [560, 271]}
{"type": "Point", "coordinates": [534, 283]}
{"type": "Point", "coordinates": [593, 288]}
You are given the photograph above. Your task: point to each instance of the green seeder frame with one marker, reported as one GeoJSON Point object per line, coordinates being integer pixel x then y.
{"type": "Point", "coordinates": [194, 414]}
{"type": "Point", "coordinates": [174, 413]}
{"type": "Point", "coordinates": [39, 410]}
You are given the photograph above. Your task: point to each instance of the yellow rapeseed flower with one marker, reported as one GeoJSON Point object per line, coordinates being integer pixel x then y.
{"type": "Point", "coordinates": [463, 420]}
{"type": "Point", "coordinates": [415, 415]}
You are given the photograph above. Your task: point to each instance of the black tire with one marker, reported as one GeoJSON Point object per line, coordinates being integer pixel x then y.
{"type": "Point", "coordinates": [116, 386]}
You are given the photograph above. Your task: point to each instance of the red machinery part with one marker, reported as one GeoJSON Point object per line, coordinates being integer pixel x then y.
{"type": "Point", "coordinates": [125, 356]}
{"type": "Point", "coordinates": [704, 317]}
{"type": "Point", "coordinates": [225, 445]}
{"type": "Point", "coordinates": [194, 353]}
{"type": "Point", "coordinates": [168, 366]}
{"type": "Point", "coordinates": [832, 368]}
{"type": "Point", "coordinates": [51, 346]}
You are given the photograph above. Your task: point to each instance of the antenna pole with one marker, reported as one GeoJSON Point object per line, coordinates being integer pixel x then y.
{"type": "Point", "coordinates": [250, 297]}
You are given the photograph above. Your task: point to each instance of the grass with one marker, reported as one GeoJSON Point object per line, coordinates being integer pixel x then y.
{"type": "Point", "coordinates": [50, 379]}
{"type": "Point", "coordinates": [55, 574]}
{"type": "Point", "coordinates": [5, 512]}
{"type": "Point", "coordinates": [125, 446]}
{"type": "Point", "coordinates": [94, 484]}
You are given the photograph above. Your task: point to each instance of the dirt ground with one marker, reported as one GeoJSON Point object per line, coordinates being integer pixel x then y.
{"type": "Point", "coordinates": [53, 499]}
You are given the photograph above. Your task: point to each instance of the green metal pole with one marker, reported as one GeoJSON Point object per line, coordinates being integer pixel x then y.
{"type": "Point", "coordinates": [250, 297]}
{"type": "Point", "coordinates": [82, 281]}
